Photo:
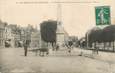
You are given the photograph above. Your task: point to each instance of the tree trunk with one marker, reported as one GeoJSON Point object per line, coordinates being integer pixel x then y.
{"type": "Point", "coordinates": [113, 47]}
{"type": "Point", "coordinates": [47, 45]}
{"type": "Point", "coordinates": [53, 45]}
{"type": "Point", "coordinates": [104, 45]}
{"type": "Point", "coordinates": [109, 44]}
{"type": "Point", "coordinates": [95, 44]}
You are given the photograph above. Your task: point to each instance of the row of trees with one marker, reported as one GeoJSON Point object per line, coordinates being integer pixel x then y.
{"type": "Point", "coordinates": [97, 35]}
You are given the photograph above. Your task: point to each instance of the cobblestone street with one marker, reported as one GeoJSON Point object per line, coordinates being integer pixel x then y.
{"type": "Point", "coordinates": [13, 61]}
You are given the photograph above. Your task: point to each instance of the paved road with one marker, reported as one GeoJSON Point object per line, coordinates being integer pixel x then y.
{"type": "Point", "coordinates": [12, 60]}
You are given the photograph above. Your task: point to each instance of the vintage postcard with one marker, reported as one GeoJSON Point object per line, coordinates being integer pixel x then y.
{"type": "Point", "coordinates": [57, 36]}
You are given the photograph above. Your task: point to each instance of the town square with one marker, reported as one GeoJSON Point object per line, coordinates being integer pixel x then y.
{"type": "Point", "coordinates": [54, 36]}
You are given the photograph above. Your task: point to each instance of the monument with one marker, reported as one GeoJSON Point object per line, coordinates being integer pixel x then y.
{"type": "Point", "coordinates": [61, 34]}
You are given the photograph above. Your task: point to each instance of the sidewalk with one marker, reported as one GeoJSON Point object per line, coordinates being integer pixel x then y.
{"type": "Point", "coordinates": [102, 56]}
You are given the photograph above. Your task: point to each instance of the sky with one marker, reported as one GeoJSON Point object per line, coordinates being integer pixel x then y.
{"type": "Point", "coordinates": [77, 16]}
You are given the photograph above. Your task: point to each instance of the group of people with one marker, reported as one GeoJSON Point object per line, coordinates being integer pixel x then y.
{"type": "Point", "coordinates": [69, 46]}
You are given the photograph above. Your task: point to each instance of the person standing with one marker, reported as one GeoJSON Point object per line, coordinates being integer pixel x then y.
{"type": "Point", "coordinates": [57, 47]}
{"type": "Point", "coordinates": [70, 44]}
{"type": "Point", "coordinates": [25, 48]}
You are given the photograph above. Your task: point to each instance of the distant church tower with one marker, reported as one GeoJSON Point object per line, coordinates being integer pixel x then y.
{"type": "Point", "coordinates": [60, 30]}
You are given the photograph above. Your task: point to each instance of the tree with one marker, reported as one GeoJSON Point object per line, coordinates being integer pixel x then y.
{"type": "Point", "coordinates": [94, 35]}
{"type": "Point", "coordinates": [48, 31]}
{"type": "Point", "coordinates": [108, 34]}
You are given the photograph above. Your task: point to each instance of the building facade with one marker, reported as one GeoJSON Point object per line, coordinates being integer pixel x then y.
{"type": "Point", "coordinates": [9, 37]}
{"type": "Point", "coordinates": [35, 39]}
{"type": "Point", "coordinates": [1, 34]}
{"type": "Point", "coordinates": [1, 37]}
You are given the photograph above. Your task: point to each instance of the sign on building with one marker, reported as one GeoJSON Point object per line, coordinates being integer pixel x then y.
{"type": "Point", "coordinates": [102, 14]}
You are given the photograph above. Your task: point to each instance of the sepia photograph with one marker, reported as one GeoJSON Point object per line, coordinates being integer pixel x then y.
{"type": "Point", "coordinates": [57, 36]}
